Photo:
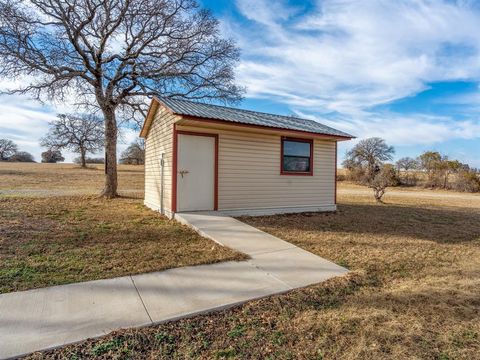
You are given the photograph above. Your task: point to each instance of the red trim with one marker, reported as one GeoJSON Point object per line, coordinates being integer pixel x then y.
{"type": "Point", "coordinates": [335, 179]}
{"type": "Point", "coordinates": [174, 170]}
{"type": "Point", "coordinates": [300, 132]}
{"type": "Point", "coordinates": [175, 164]}
{"type": "Point", "coordinates": [295, 173]}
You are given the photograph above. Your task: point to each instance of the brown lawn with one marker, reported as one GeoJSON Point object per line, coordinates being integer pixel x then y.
{"type": "Point", "coordinates": [33, 179]}
{"type": "Point", "coordinates": [413, 293]}
{"type": "Point", "coordinates": [48, 240]}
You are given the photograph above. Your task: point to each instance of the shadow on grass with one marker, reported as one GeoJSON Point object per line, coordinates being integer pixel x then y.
{"type": "Point", "coordinates": [440, 225]}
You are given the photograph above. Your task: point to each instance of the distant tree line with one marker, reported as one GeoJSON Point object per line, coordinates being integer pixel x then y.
{"type": "Point", "coordinates": [9, 152]}
{"type": "Point", "coordinates": [439, 171]}
{"type": "Point", "coordinates": [90, 160]}
{"type": "Point", "coordinates": [367, 164]}
{"type": "Point", "coordinates": [83, 134]}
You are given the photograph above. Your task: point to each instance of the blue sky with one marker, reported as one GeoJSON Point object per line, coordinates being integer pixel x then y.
{"type": "Point", "coordinates": [404, 70]}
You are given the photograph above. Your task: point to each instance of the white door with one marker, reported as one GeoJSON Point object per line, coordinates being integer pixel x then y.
{"type": "Point", "coordinates": [196, 172]}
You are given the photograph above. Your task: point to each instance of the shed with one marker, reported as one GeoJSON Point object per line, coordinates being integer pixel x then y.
{"type": "Point", "coordinates": [203, 157]}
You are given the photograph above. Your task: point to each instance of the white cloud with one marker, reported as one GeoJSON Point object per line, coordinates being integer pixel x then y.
{"type": "Point", "coordinates": [265, 12]}
{"type": "Point", "coordinates": [349, 55]}
{"type": "Point", "coordinates": [343, 57]}
{"type": "Point", "coordinates": [335, 63]}
{"type": "Point", "coordinates": [25, 122]}
{"type": "Point", "coordinates": [402, 130]}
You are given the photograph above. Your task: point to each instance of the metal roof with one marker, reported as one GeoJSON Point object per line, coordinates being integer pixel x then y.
{"type": "Point", "coordinates": [228, 114]}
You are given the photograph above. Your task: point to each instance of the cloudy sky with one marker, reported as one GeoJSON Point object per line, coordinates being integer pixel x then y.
{"type": "Point", "coordinates": [404, 70]}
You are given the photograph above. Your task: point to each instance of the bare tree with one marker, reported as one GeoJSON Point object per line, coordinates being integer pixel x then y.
{"type": "Point", "coordinates": [366, 161]}
{"type": "Point", "coordinates": [78, 133]}
{"type": "Point", "coordinates": [407, 164]}
{"type": "Point", "coordinates": [430, 162]}
{"type": "Point", "coordinates": [21, 156]}
{"type": "Point", "coordinates": [111, 54]}
{"type": "Point", "coordinates": [52, 156]}
{"type": "Point", "coordinates": [134, 154]}
{"type": "Point", "coordinates": [448, 167]}
{"type": "Point", "coordinates": [7, 149]}
{"type": "Point", "coordinates": [369, 154]}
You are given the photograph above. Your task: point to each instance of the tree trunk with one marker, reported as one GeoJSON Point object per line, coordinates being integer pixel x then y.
{"type": "Point", "coordinates": [110, 190]}
{"type": "Point", "coordinates": [82, 158]}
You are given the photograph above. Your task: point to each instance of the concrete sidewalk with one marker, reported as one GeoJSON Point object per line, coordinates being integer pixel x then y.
{"type": "Point", "coordinates": [45, 318]}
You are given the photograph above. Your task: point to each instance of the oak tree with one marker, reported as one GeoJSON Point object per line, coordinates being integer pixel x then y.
{"type": "Point", "coordinates": [134, 154]}
{"type": "Point", "coordinates": [52, 156]}
{"type": "Point", "coordinates": [109, 55]}
{"type": "Point", "coordinates": [7, 149]}
{"type": "Point", "coordinates": [21, 156]}
{"type": "Point", "coordinates": [369, 154]}
{"type": "Point", "coordinates": [79, 133]}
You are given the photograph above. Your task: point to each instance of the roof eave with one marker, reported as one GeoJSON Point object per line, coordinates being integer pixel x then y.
{"type": "Point", "coordinates": [151, 112]}
{"type": "Point", "coordinates": [272, 128]}
{"type": "Point", "coordinates": [156, 102]}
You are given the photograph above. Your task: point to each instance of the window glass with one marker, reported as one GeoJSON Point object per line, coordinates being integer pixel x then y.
{"type": "Point", "coordinates": [296, 156]}
{"type": "Point", "coordinates": [296, 148]}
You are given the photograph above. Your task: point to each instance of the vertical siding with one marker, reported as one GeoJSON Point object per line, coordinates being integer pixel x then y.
{"type": "Point", "coordinates": [159, 140]}
{"type": "Point", "coordinates": [249, 173]}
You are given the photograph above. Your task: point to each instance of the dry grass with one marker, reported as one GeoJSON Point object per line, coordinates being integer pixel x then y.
{"type": "Point", "coordinates": [48, 240]}
{"type": "Point", "coordinates": [414, 292]}
{"type": "Point", "coordinates": [33, 179]}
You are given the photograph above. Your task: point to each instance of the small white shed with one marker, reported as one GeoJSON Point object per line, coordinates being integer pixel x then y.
{"type": "Point", "coordinates": [202, 157]}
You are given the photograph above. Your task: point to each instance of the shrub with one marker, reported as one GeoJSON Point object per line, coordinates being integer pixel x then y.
{"type": "Point", "coordinates": [385, 177]}
{"type": "Point", "coordinates": [52, 156]}
{"type": "Point", "coordinates": [89, 160]}
{"type": "Point", "coordinates": [21, 156]}
{"type": "Point", "coordinates": [467, 181]}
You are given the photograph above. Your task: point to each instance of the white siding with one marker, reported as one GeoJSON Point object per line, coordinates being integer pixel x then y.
{"type": "Point", "coordinates": [159, 140]}
{"type": "Point", "coordinates": [249, 173]}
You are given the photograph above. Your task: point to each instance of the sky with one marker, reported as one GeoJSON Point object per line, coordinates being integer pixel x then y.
{"type": "Point", "coordinates": [405, 70]}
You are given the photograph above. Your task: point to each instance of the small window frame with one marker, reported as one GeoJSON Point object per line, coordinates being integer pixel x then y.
{"type": "Point", "coordinates": [296, 173]}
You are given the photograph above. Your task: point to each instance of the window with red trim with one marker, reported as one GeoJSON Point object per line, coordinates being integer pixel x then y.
{"type": "Point", "coordinates": [297, 156]}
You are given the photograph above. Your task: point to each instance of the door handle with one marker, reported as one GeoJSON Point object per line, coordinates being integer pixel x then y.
{"type": "Point", "coordinates": [183, 172]}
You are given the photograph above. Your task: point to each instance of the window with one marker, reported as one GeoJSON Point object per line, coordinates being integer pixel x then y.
{"type": "Point", "coordinates": [297, 157]}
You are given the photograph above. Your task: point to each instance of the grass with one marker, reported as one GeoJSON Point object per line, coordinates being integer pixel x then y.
{"type": "Point", "coordinates": [33, 179]}
{"type": "Point", "coordinates": [49, 240]}
{"type": "Point", "coordinates": [413, 293]}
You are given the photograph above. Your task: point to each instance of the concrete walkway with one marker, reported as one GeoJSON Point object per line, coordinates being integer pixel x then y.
{"type": "Point", "coordinates": [45, 318]}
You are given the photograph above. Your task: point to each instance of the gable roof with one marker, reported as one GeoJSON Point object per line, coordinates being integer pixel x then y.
{"type": "Point", "coordinates": [247, 117]}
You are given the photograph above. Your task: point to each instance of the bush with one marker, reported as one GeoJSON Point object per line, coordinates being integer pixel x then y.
{"type": "Point", "coordinates": [385, 177]}
{"type": "Point", "coordinates": [408, 178]}
{"type": "Point", "coordinates": [467, 181]}
{"type": "Point", "coordinates": [357, 175]}
{"type": "Point", "coordinates": [21, 156]}
{"type": "Point", "coordinates": [52, 156]}
{"type": "Point", "coordinates": [89, 160]}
